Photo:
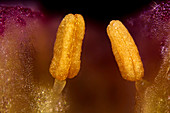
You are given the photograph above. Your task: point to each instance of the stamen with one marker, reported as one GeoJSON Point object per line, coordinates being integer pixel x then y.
{"type": "Point", "coordinates": [125, 51]}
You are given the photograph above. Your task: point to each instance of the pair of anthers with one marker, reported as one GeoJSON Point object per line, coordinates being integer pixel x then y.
{"type": "Point", "coordinates": [67, 49]}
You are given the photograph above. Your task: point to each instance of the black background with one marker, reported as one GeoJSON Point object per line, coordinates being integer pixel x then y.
{"type": "Point", "coordinates": [98, 10]}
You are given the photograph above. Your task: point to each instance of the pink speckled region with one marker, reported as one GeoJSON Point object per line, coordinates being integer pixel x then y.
{"type": "Point", "coordinates": [18, 14]}
{"type": "Point", "coordinates": [161, 11]}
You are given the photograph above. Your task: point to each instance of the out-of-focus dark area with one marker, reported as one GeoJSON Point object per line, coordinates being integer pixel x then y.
{"type": "Point", "coordinates": [99, 87]}
{"type": "Point", "coordinates": [98, 10]}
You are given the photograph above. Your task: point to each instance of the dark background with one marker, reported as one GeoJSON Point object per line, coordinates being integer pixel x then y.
{"type": "Point", "coordinates": [99, 10]}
